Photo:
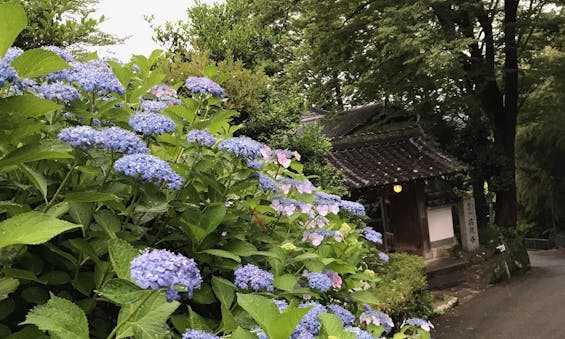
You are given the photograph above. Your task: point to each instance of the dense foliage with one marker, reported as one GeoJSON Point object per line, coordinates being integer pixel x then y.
{"type": "Point", "coordinates": [129, 209]}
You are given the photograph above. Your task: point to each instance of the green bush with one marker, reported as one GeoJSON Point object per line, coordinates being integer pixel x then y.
{"type": "Point", "coordinates": [406, 287]}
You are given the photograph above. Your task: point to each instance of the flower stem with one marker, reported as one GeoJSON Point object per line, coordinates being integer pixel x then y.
{"type": "Point", "coordinates": [65, 179]}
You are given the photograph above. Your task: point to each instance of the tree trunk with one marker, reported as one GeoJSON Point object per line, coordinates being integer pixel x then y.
{"type": "Point", "coordinates": [506, 206]}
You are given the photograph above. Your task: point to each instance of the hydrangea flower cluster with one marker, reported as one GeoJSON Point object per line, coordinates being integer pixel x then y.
{"type": "Point", "coordinates": [266, 183]}
{"type": "Point", "coordinates": [376, 318]}
{"type": "Point", "coordinates": [80, 136]}
{"type": "Point", "coordinates": [326, 203]}
{"type": "Point", "coordinates": [203, 85]}
{"type": "Point", "coordinates": [152, 123]}
{"type": "Point", "coordinates": [281, 157]}
{"type": "Point", "coordinates": [153, 106]}
{"type": "Point", "coordinates": [57, 91]}
{"type": "Point", "coordinates": [163, 91]}
{"type": "Point", "coordinates": [94, 76]}
{"type": "Point", "coordinates": [316, 236]}
{"type": "Point", "coordinates": [251, 277]}
{"type": "Point", "coordinates": [287, 206]}
{"type": "Point", "coordinates": [202, 137]}
{"type": "Point", "coordinates": [334, 277]}
{"type": "Point", "coordinates": [383, 256]}
{"type": "Point", "coordinates": [158, 269]}
{"type": "Point", "coordinates": [121, 140]}
{"type": "Point", "coordinates": [149, 168]}
{"type": "Point", "coordinates": [421, 323]}
{"type": "Point", "coordinates": [361, 334]}
{"type": "Point", "coordinates": [372, 235]}
{"type": "Point", "coordinates": [301, 186]}
{"type": "Point", "coordinates": [319, 281]}
{"type": "Point", "coordinates": [352, 207]}
{"type": "Point", "coordinates": [7, 72]}
{"type": "Point", "coordinates": [242, 146]}
{"type": "Point", "coordinates": [309, 326]}
{"type": "Point", "coordinates": [347, 317]}
{"type": "Point", "coordinates": [197, 334]}
{"type": "Point", "coordinates": [60, 52]}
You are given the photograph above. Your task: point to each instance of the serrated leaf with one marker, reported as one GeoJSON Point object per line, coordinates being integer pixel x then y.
{"type": "Point", "coordinates": [210, 70]}
{"type": "Point", "coordinates": [224, 290]}
{"type": "Point", "coordinates": [25, 106]}
{"type": "Point", "coordinates": [147, 318]}
{"type": "Point", "coordinates": [36, 178]}
{"type": "Point", "coordinates": [121, 255]}
{"type": "Point", "coordinates": [60, 317]}
{"type": "Point", "coordinates": [366, 297]}
{"type": "Point", "coordinates": [109, 222]}
{"type": "Point", "coordinates": [44, 150]}
{"type": "Point", "coordinates": [285, 282]}
{"type": "Point", "coordinates": [121, 292]}
{"type": "Point", "coordinates": [12, 21]}
{"type": "Point", "coordinates": [32, 228]}
{"type": "Point", "coordinates": [222, 254]}
{"type": "Point", "coordinates": [240, 333]}
{"type": "Point", "coordinates": [37, 62]}
{"type": "Point", "coordinates": [7, 286]}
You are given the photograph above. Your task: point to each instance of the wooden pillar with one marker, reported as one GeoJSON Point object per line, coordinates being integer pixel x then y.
{"type": "Point", "coordinates": [426, 247]}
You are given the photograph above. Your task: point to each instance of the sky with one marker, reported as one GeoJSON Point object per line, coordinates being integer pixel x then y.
{"type": "Point", "coordinates": [126, 18]}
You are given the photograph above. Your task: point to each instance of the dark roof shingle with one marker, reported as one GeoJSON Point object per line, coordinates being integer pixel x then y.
{"type": "Point", "coordinates": [377, 160]}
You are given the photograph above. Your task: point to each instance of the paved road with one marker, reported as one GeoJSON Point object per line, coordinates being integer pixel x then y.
{"type": "Point", "coordinates": [531, 306]}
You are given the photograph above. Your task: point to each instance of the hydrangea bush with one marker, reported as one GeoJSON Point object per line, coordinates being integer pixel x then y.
{"type": "Point", "coordinates": [137, 211]}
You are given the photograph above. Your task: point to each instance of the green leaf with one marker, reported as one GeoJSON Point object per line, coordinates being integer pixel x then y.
{"type": "Point", "coordinates": [264, 311]}
{"type": "Point", "coordinates": [91, 196]}
{"type": "Point", "coordinates": [31, 228]}
{"type": "Point", "coordinates": [26, 106]}
{"type": "Point", "coordinates": [240, 333]}
{"type": "Point", "coordinates": [146, 318]}
{"type": "Point", "coordinates": [204, 295]}
{"type": "Point", "coordinates": [121, 255]}
{"type": "Point", "coordinates": [224, 290]}
{"type": "Point", "coordinates": [222, 253]}
{"type": "Point", "coordinates": [366, 297]}
{"type": "Point", "coordinates": [12, 21]}
{"type": "Point", "coordinates": [197, 321]}
{"type": "Point", "coordinates": [47, 149]}
{"type": "Point", "coordinates": [210, 70]}
{"type": "Point", "coordinates": [121, 292]}
{"type": "Point", "coordinates": [37, 179]}
{"type": "Point", "coordinates": [213, 216]}
{"type": "Point", "coordinates": [62, 318]}
{"type": "Point", "coordinates": [285, 282]}
{"type": "Point", "coordinates": [109, 222]}
{"type": "Point", "coordinates": [37, 62]}
{"type": "Point", "coordinates": [332, 325]}
{"type": "Point", "coordinates": [7, 286]}
{"type": "Point", "coordinates": [21, 274]}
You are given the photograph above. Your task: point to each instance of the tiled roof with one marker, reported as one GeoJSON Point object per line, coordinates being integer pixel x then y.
{"type": "Point", "coordinates": [377, 160]}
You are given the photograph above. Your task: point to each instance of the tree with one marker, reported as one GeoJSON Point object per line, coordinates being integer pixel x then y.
{"type": "Point", "coordinates": [454, 63]}
{"type": "Point", "coordinates": [61, 23]}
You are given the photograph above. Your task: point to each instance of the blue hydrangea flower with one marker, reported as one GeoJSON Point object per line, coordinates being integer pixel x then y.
{"type": "Point", "coordinates": [197, 334]}
{"type": "Point", "coordinates": [251, 277]}
{"type": "Point", "coordinates": [202, 137]}
{"type": "Point", "coordinates": [158, 269]}
{"type": "Point", "coordinates": [94, 76]}
{"type": "Point", "coordinates": [309, 326]}
{"type": "Point", "coordinates": [372, 235]}
{"type": "Point", "coordinates": [352, 207]}
{"type": "Point", "coordinates": [60, 52]}
{"type": "Point", "coordinates": [422, 323]}
{"type": "Point", "coordinates": [149, 168]}
{"type": "Point", "coordinates": [80, 136]}
{"type": "Point", "coordinates": [121, 140]}
{"type": "Point", "coordinates": [319, 281]}
{"type": "Point", "coordinates": [266, 183]}
{"type": "Point", "coordinates": [383, 256]}
{"type": "Point", "coordinates": [57, 91]}
{"type": "Point", "coordinates": [7, 72]}
{"type": "Point", "coordinates": [324, 198]}
{"type": "Point", "coordinates": [242, 146]}
{"type": "Point", "coordinates": [377, 318]}
{"type": "Point", "coordinates": [204, 85]}
{"type": "Point", "coordinates": [281, 304]}
{"type": "Point", "coordinates": [347, 317]}
{"type": "Point", "coordinates": [152, 123]}
{"type": "Point", "coordinates": [361, 334]}
{"type": "Point", "coordinates": [153, 106]}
